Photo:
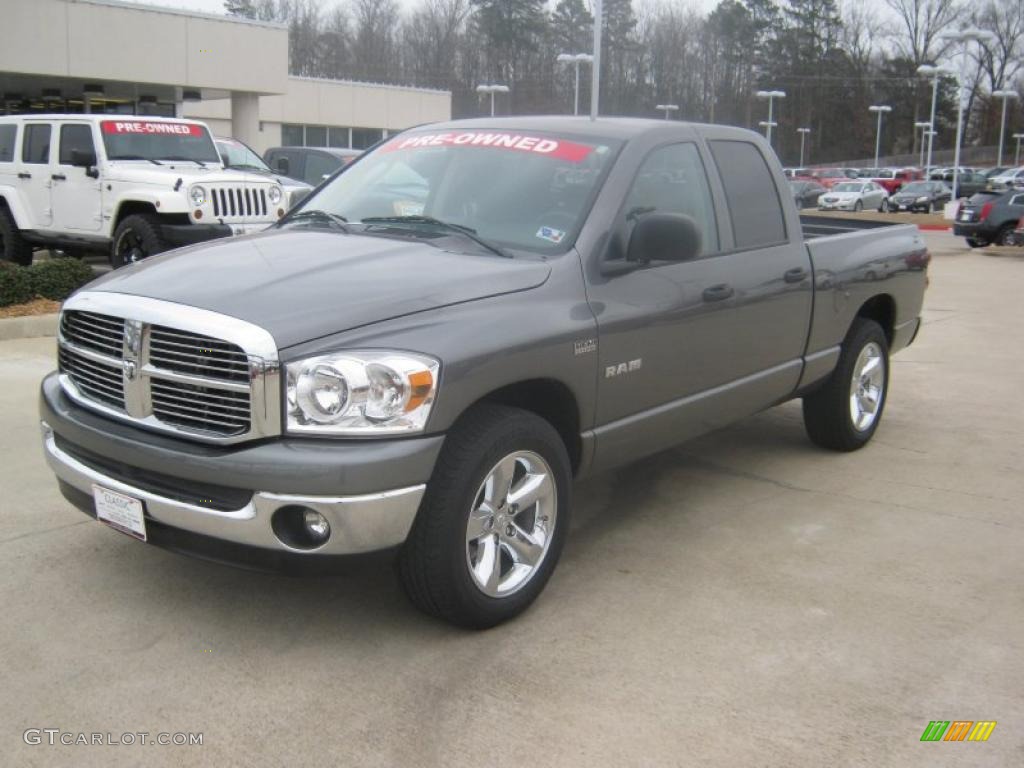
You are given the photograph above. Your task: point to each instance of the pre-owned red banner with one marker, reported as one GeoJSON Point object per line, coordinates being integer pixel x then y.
{"type": "Point", "coordinates": [516, 142]}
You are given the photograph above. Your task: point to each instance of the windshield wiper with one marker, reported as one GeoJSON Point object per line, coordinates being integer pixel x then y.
{"type": "Point", "coordinates": [135, 157]}
{"type": "Point", "coordinates": [181, 159]}
{"type": "Point", "coordinates": [431, 221]}
{"type": "Point", "coordinates": [315, 213]}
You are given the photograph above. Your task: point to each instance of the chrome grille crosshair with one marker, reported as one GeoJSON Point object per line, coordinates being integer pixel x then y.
{"type": "Point", "coordinates": [170, 367]}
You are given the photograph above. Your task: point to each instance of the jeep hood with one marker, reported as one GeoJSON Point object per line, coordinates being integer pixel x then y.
{"type": "Point", "coordinates": [301, 285]}
{"type": "Point", "coordinates": [139, 172]}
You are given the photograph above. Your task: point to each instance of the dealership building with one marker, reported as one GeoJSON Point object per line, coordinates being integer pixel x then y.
{"type": "Point", "coordinates": [127, 58]}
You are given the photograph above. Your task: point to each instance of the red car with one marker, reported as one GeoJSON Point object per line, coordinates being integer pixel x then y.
{"type": "Point", "coordinates": [894, 178]}
{"type": "Point", "coordinates": [828, 177]}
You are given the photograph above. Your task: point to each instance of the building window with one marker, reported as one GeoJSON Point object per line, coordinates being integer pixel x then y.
{"type": "Point", "coordinates": [339, 137]}
{"type": "Point", "coordinates": [291, 135]}
{"type": "Point", "coordinates": [316, 136]}
{"type": "Point", "coordinates": [362, 138]}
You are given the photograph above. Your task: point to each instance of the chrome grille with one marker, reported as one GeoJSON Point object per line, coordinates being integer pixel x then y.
{"type": "Point", "coordinates": [239, 202]}
{"type": "Point", "coordinates": [140, 366]}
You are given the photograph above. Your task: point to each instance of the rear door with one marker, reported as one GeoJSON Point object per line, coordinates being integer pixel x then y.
{"type": "Point", "coordinates": [34, 172]}
{"type": "Point", "coordinates": [75, 196]}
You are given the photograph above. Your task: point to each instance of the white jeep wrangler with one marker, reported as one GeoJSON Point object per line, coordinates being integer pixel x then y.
{"type": "Point", "coordinates": [129, 186]}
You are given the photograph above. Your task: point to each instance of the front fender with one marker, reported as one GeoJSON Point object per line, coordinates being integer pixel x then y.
{"type": "Point", "coordinates": [12, 196]}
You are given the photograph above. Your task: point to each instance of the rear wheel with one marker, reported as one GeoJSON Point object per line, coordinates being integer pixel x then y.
{"type": "Point", "coordinates": [1005, 235]}
{"type": "Point", "coordinates": [136, 237]}
{"type": "Point", "coordinates": [493, 520]}
{"type": "Point", "coordinates": [13, 247]}
{"type": "Point", "coordinates": [845, 411]}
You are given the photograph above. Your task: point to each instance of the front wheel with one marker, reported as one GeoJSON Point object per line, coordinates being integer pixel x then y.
{"type": "Point", "coordinates": [1005, 235]}
{"type": "Point", "coordinates": [136, 237]}
{"type": "Point", "coordinates": [492, 523]}
{"type": "Point", "coordinates": [844, 412]}
{"type": "Point", "coordinates": [883, 207]}
{"type": "Point", "coordinates": [977, 242]}
{"type": "Point", "coordinates": [858, 207]}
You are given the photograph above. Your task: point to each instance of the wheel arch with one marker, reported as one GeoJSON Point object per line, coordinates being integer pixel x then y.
{"type": "Point", "coordinates": [882, 309]}
{"type": "Point", "coordinates": [130, 208]}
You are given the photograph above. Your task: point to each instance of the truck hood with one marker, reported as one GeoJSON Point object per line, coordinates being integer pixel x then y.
{"type": "Point", "coordinates": [168, 174]}
{"type": "Point", "coordinates": [301, 285]}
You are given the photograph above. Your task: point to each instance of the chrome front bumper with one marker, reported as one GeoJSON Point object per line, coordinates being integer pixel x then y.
{"type": "Point", "coordinates": [363, 523]}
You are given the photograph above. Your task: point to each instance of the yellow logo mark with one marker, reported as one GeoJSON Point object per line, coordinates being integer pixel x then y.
{"type": "Point", "coordinates": [982, 730]}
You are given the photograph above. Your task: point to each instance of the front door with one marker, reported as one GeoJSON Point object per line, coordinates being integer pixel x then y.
{"type": "Point", "coordinates": [34, 173]}
{"type": "Point", "coordinates": [75, 196]}
{"type": "Point", "coordinates": [686, 347]}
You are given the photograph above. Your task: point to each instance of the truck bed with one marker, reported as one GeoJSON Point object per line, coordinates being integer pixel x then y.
{"type": "Point", "coordinates": [825, 226]}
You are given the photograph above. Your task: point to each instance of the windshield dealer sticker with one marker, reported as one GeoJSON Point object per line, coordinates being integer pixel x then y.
{"type": "Point", "coordinates": [145, 127]}
{"type": "Point", "coordinates": [515, 142]}
{"type": "Point", "coordinates": [551, 235]}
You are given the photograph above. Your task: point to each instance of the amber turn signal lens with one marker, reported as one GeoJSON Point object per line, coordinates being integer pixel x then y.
{"type": "Point", "coordinates": [420, 384]}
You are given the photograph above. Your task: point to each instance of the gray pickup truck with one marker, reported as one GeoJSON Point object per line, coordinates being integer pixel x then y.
{"type": "Point", "coordinates": [429, 349]}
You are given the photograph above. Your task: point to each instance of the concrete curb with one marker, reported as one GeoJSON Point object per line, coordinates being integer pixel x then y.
{"type": "Point", "coordinates": [30, 327]}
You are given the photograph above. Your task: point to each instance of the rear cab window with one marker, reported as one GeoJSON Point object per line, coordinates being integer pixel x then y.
{"type": "Point", "coordinates": [35, 145]}
{"type": "Point", "coordinates": [755, 207]}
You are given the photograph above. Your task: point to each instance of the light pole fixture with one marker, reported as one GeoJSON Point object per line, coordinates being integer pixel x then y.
{"type": "Point", "coordinates": [879, 109]}
{"type": "Point", "coordinates": [1018, 137]}
{"type": "Point", "coordinates": [803, 136]}
{"type": "Point", "coordinates": [667, 109]}
{"type": "Point", "coordinates": [575, 59]}
{"type": "Point", "coordinates": [925, 126]}
{"type": "Point", "coordinates": [934, 72]}
{"type": "Point", "coordinates": [492, 89]}
{"type": "Point", "coordinates": [771, 96]}
{"type": "Point", "coordinates": [964, 37]}
{"type": "Point", "coordinates": [1005, 96]}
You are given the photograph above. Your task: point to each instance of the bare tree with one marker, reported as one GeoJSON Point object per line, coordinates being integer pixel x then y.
{"type": "Point", "coordinates": [921, 23]}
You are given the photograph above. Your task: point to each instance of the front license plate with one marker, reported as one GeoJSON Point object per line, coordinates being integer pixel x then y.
{"type": "Point", "coordinates": [120, 512]}
{"type": "Point", "coordinates": [904, 207]}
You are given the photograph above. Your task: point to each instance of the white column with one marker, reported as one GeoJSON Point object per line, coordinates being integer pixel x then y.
{"type": "Point", "coordinates": [245, 117]}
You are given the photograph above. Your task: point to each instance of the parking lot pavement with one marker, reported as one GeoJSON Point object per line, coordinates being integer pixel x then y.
{"type": "Point", "coordinates": [745, 599]}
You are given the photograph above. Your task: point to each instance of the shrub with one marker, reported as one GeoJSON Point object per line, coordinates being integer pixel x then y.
{"type": "Point", "coordinates": [58, 278]}
{"type": "Point", "coordinates": [55, 279]}
{"type": "Point", "coordinates": [15, 285]}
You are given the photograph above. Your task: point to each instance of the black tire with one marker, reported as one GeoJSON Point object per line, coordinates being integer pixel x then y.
{"type": "Point", "coordinates": [827, 416]}
{"type": "Point", "coordinates": [136, 238]}
{"type": "Point", "coordinates": [432, 563]}
{"type": "Point", "coordinates": [883, 207]}
{"type": "Point", "coordinates": [13, 247]}
{"type": "Point", "coordinates": [931, 207]}
{"type": "Point", "coordinates": [1005, 235]}
{"type": "Point", "coordinates": [858, 207]}
{"type": "Point", "coordinates": [977, 242]}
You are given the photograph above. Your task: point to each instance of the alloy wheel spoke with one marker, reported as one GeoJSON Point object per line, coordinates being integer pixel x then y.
{"type": "Point", "coordinates": [499, 482]}
{"type": "Point", "coordinates": [526, 549]}
{"type": "Point", "coordinates": [870, 366]}
{"type": "Point", "coordinates": [529, 490]}
{"type": "Point", "coordinates": [479, 523]}
{"type": "Point", "coordinates": [488, 565]}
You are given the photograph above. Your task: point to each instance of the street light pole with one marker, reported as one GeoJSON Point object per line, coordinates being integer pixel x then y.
{"type": "Point", "coordinates": [1018, 137]}
{"type": "Point", "coordinates": [963, 37]}
{"type": "Point", "coordinates": [769, 123]}
{"type": "Point", "coordinates": [492, 89]}
{"type": "Point", "coordinates": [925, 128]}
{"type": "Point", "coordinates": [595, 80]}
{"type": "Point", "coordinates": [803, 135]}
{"type": "Point", "coordinates": [879, 109]}
{"type": "Point", "coordinates": [576, 59]}
{"type": "Point", "coordinates": [667, 109]}
{"type": "Point", "coordinates": [1005, 96]}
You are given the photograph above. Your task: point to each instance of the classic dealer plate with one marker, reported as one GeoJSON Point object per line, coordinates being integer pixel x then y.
{"type": "Point", "coordinates": [120, 512]}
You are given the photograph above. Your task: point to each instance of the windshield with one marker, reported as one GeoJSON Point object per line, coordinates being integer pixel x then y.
{"type": "Point", "coordinates": [883, 174]}
{"type": "Point", "coordinates": [235, 154]}
{"type": "Point", "coordinates": [917, 188]}
{"type": "Point", "coordinates": [152, 140]}
{"type": "Point", "coordinates": [847, 188]}
{"type": "Point", "coordinates": [830, 173]}
{"type": "Point", "coordinates": [528, 191]}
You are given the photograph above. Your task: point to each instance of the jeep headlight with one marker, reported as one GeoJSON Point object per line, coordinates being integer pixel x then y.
{"type": "Point", "coordinates": [360, 393]}
{"type": "Point", "coordinates": [197, 195]}
{"type": "Point", "coordinates": [274, 195]}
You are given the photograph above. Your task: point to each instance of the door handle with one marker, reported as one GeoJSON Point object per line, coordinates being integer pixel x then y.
{"type": "Point", "coordinates": [795, 275]}
{"type": "Point", "coordinates": [718, 292]}
{"type": "Point", "coordinates": [24, 175]}
{"type": "Point", "coordinates": [58, 177]}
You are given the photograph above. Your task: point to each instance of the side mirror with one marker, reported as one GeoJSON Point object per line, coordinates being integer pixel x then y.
{"type": "Point", "coordinates": [664, 237]}
{"type": "Point", "coordinates": [85, 158]}
{"type": "Point", "coordinates": [283, 166]}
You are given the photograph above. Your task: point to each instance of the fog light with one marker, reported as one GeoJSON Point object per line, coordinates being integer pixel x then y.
{"type": "Point", "coordinates": [197, 214]}
{"type": "Point", "coordinates": [280, 212]}
{"type": "Point", "coordinates": [317, 525]}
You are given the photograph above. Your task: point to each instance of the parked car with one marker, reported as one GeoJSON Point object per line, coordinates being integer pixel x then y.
{"type": "Point", "coordinates": [828, 177]}
{"type": "Point", "coordinates": [969, 183]}
{"type": "Point", "coordinates": [311, 165]}
{"type": "Point", "coordinates": [892, 179]}
{"type": "Point", "coordinates": [989, 218]}
{"type": "Point", "coordinates": [576, 295]}
{"type": "Point", "coordinates": [240, 156]}
{"type": "Point", "coordinates": [1012, 178]}
{"type": "Point", "coordinates": [127, 186]}
{"type": "Point", "coordinates": [946, 174]}
{"type": "Point", "coordinates": [806, 193]}
{"type": "Point", "coordinates": [1018, 233]}
{"type": "Point", "coordinates": [921, 196]}
{"type": "Point", "coordinates": [998, 170]}
{"type": "Point", "coordinates": [854, 196]}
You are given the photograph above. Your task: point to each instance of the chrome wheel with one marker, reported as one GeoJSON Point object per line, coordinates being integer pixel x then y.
{"type": "Point", "coordinates": [130, 248]}
{"type": "Point", "coordinates": [511, 524]}
{"type": "Point", "coordinates": [867, 388]}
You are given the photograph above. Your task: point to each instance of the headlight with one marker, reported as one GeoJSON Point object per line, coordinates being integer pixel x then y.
{"type": "Point", "coordinates": [274, 195]}
{"type": "Point", "coordinates": [361, 393]}
{"type": "Point", "coordinates": [197, 195]}
{"type": "Point", "coordinates": [922, 199]}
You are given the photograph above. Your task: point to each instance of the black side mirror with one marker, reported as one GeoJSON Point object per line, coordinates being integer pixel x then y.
{"type": "Point", "coordinates": [663, 237]}
{"type": "Point", "coordinates": [283, 166]}
{"type": "Point", "coordinates": [85, 158]}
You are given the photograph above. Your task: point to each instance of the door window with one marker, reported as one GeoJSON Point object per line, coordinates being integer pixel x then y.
{"type": "Point", "coordinates": [7, 134]}
{"type": "Point", "coordinates": [36, 144]}
{"type": "Point", "coordinates": [74, 137]}
{"type": "Point", "coordinates": [318, 166]}
{"type": "Point", "coordinates": [754, 204]}
{"type": "Point", "coordinates": [673, 180]}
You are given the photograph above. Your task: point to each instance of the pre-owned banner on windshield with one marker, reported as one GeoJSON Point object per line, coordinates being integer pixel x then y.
{"type": "Point", "coordinates": [516, 142]}
{"type": "Point", "coordinates": [147, 127]}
